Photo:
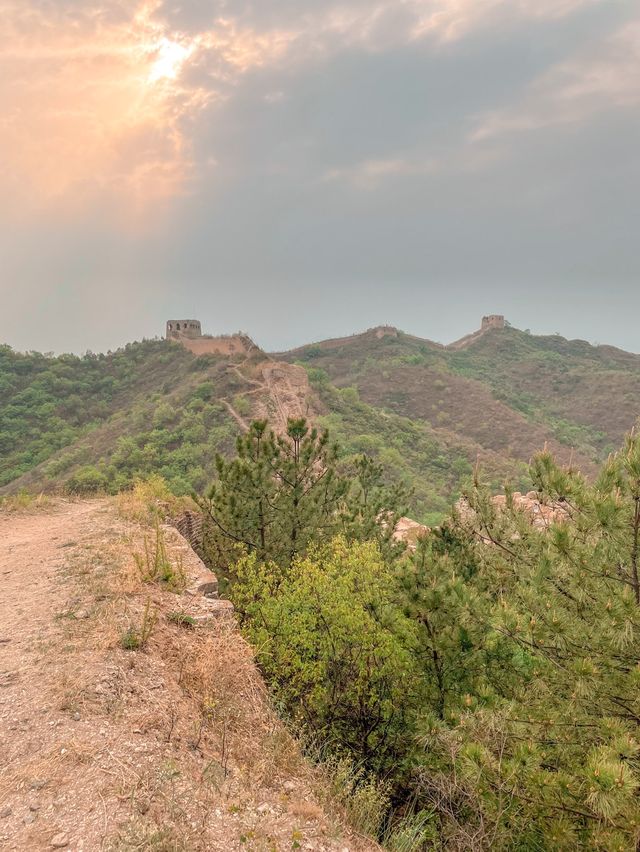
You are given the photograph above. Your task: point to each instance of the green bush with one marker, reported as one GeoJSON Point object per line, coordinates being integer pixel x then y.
{"type": "Point", "coordinates": [86, 480]}
{"type": "Point", "coordinates": [334, 646]}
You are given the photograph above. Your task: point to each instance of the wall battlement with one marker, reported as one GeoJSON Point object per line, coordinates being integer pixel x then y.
{"type": "Point", "coordinates": [189, 334]}
{"type": "Point", "coordinates": [177, 329]}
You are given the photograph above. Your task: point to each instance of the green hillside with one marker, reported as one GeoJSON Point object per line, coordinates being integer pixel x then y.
{"type": "Point", "coordinates": [428, 413]}
{"type": "Point", "coordinates": [498, 400]}
{"type": "Point", "coordinates": [100, 420]}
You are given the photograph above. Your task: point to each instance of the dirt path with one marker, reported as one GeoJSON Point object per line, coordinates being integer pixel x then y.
{"type": "Point", "coordinates": [34, 590]}
{"type": "Point", "coordinates": [171, 747]}
{"type": "Point", "coordinates": [38, 595]}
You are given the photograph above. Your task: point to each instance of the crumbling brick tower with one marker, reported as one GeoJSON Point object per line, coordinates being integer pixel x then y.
{"type": "Point", "coordinates": [178, 329]}
{"type": "Point", "coordinates": [492, 321]}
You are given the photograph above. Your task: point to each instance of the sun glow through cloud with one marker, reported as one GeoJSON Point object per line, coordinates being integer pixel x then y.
{"type": "Point", "coordinates": [171, 56]}
{"type": "Point", "coordinates": [97, 107]}
{"type": "Point", "coordinates": [98, 101]}
{"type": "Point", "coordinates": [92, 110]}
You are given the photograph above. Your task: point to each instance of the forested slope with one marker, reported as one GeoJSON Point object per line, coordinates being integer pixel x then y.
{"type": "Point", "coordinates": [426, 412]}
{"type": "Point", "coordinates": [500, 399]}
{"type": "Point", "coordinates": [100, 420]}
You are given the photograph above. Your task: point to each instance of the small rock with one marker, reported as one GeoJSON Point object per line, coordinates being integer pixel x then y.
{"type": "Point", "coordinates": [59, 841]}
{"type": "Point", "coordinates": [289, 786]}
{"type": "Point", "coordinates": [34, 806]}
{"type": "Point", "coordinates": [38, 784]}
{"type": "Point", "coordinates": [5, 812]}
{"type": "Point", "coordinates": [29, 818]}
{"type": "Point", "coordinates": [263, 809]}
{"type": "Point", "coordinates": [76, 717]}
{"type": "Point", "coordinates": [82, 613]}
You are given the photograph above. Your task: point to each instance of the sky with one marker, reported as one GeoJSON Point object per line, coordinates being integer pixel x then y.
{"type": "Point", "coordinates": [304, 169]}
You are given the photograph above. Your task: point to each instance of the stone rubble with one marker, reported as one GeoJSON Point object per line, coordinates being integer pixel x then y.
{"type": "Point", "coordinates": [541, 515]}
{"type": "Point", "coordinates": [409, 532]}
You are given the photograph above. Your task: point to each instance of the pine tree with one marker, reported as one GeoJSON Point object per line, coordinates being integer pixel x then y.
{"type": "Point", "coordinates": [548, 757]}
{"type": "Point", "coordinates": [281, 493]}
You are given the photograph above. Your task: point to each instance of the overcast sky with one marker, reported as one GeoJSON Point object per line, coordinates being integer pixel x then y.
{"type": "Point", "coordinates": [301, 169]}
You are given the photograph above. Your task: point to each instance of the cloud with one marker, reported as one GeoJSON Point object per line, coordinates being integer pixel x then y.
{"type": "Point", "coordinates": [450, 20]}
{"type": "Point", "coordinates": [601, 78]}
{"type": "Point", "coordinates": [97, 100]}
{"type": "Point", "coordinates": [369, 23]}
{"type": "Point", "coordinates": [104, 98]}
{"type": "Point", "coordinates": [352, 161]}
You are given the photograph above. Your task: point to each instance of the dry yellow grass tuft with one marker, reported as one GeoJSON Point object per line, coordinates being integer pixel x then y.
{"type": "Point", "coordinates": [150, 501]}
{"type": "Point", "coordinates": [25, 502]}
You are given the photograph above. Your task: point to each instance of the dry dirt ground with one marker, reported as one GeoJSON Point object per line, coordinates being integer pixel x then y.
{"type": "Point", "coordinates": [171, 746]}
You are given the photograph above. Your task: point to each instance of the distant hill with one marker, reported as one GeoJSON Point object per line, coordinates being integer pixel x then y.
{"type": "Point", "coordinates": [500, 398]}
{"type": "Point", "coordinates": [427, 412]}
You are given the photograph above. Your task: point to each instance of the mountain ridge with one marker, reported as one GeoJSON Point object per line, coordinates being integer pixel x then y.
{"type": "Point", "coordinates": [429, 412]}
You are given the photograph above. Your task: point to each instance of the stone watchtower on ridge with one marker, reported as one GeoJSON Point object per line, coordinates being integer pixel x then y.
{"type": "Point", "coordinates": [179, 329]}
{"type": "Point", "coordinates": [493, 321]}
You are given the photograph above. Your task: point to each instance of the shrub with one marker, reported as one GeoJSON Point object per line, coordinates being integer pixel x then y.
{"type": "Point", "coordinates": [86, 480]}
{"type": "Point", "coordinates": [149, 501]}
{"type": "Point", "coordinates": [330, 641]}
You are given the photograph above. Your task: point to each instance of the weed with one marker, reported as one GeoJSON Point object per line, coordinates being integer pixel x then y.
{"type": "Point", "coordinates": [134, 638]}
{"type": "Point", "coordinates": [130, 641]}
{"type": "Point", "coordinates": [182, 619]}
{"type": "Point", "coordinates": [154, 564]}
{"type": "Point", "coordinates": [144, 835]}
{"type": "Point", "coordinates": [414, 831]}
{"type": "Point", "coordinates": [364, 798]}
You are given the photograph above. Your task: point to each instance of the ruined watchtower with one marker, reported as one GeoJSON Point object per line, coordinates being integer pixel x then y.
{"type": "Point", "coordinates": [178, 329]}
{"type": "Point", "coordinates": [492, 321]}
{"type": "Point", "coordinates": [188, 333]}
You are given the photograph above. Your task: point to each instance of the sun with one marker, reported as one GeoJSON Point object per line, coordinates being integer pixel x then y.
{"type": "Point", "coordinates": [170, 56]}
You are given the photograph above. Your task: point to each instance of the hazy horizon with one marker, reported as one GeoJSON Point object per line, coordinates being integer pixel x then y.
{"type": "Point", "coordinates": [308, 170]}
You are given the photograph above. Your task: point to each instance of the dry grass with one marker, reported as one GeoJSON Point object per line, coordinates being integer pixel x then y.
{"type": "Point", "coordinates": [150, 501]}
{"type": "Point", "coordinates": [25, 502]}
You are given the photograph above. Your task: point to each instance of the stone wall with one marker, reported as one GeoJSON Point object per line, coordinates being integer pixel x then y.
{"type": "Point", "coordinates": [189, 334]}
{"type": "Point", "coordinates": [236, 344]}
